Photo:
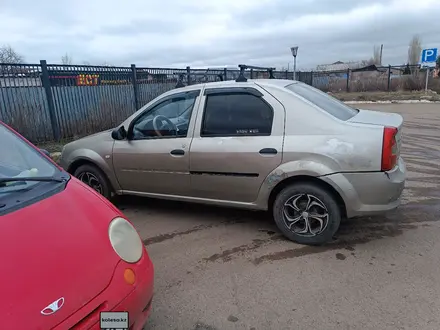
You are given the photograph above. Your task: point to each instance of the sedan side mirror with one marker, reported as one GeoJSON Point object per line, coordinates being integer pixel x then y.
{"type": "Point", "coordinates": [44, 151]}
{"type": "Point", "coordinates": [119, 133]}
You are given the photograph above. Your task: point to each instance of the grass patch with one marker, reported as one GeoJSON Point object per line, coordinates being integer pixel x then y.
{"type": "Point", "coordinates": [53, 146]}
{"type": "Point", "coordinates": [386, 96]}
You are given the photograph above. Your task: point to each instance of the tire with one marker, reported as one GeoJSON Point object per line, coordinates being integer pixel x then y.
{"type": "Point", "coordinates": [320, 202]}
{"type": "Point", "coordinates": [92, 176]}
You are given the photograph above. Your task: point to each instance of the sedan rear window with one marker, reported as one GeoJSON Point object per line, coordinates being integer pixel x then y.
{"type": "Point", "coordinates": [324, 101]}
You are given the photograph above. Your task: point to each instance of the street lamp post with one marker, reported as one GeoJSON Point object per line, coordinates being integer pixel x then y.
{"type": "Point", "coordinates": [294, 51]}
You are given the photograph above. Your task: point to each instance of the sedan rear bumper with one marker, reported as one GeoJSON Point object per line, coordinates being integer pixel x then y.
{"type": "Point", "coordinates": [370, 193]}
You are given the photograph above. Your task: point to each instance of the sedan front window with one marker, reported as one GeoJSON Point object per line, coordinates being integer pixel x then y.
{"type": "Point", "coordinates": [168, 118]}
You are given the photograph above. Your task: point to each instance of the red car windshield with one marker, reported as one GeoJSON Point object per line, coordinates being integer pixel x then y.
{"type": "Point", "coordinates": [20, 160]}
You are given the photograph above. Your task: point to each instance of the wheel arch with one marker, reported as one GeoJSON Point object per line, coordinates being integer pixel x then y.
{"type": "Point", "coordinates": [307, 179]}
{"type": "Point", "coordinates": [86, 161]}
{"type": "Point", "coordinates": [79, 162]}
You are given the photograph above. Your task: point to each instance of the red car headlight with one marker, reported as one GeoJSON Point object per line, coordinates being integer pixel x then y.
{"type": "Point", "coordinates": [125, 240]}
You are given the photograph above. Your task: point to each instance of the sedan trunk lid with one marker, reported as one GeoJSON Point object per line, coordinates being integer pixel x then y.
{"type": "Point", "coordinates": [378, 118]}
{"type": "Point", "coordinates": [385, 119]}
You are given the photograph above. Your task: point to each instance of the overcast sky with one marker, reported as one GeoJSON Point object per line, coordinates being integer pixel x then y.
{"type": "Point", "coordinates": [213, 33]}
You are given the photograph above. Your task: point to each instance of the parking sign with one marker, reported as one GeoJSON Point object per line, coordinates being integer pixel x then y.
{"type": "Point", "coordinates": [429, 55]}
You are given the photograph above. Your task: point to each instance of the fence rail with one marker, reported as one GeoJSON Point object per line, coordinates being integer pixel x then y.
{"type": "Point", "coordinates": [48, 102]}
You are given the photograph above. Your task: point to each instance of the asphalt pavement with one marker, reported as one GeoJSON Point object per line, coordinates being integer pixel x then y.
{"type": "Point", "coordinates": [219, 268]}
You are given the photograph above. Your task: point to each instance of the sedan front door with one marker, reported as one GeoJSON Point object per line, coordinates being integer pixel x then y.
{"type": "Point", "coordinates": [154, 159]}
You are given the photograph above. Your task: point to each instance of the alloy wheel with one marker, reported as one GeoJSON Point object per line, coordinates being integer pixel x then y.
{"type": "Point", "coordinates": [91, 180]}
{"type": "Point", "coordinates": [305, 215]}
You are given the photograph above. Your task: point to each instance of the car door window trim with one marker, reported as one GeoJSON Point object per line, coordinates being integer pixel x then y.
{"type": "Point", "coordinates": [229, 91]}
{"type": "Point", "coordinates": [195, 93]}
{"type": "Point", "coordinates": [233, 90]}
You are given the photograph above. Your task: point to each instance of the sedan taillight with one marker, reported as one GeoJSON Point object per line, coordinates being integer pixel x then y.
{"type": "Point", "coordinates": [389, 148]}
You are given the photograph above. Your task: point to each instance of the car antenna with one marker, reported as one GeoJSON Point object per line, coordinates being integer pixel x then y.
{"type": "Point", "coordinates": [242, 78]}
{"type": "Point", "coordinates": [180, 81]}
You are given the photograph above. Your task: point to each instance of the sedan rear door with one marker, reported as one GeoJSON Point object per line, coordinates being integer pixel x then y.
{"type": "Point", "coordinates": [238, 141]}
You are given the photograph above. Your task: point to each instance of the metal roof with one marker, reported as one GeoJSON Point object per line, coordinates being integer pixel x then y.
{"type": "Point", "coordinates": [338, 66]}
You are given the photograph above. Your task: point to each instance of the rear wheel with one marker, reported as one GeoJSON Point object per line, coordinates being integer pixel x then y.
{"type": "Point", "coordinates": [307, 214]}
{"type": "Point", "coordinates": [92, 176]}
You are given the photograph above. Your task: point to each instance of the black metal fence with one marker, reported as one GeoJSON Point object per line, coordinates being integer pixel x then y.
{"type": "Point", "coordinates": [47, 102]}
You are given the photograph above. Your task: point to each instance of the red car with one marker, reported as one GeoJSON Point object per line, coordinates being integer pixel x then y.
{"type": "Point", "coordinates": [67, 253]}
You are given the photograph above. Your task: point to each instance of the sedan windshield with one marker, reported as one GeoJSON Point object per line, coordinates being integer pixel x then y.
{"type": "Point", "coordinates": [19, 161]}
{"type": "Point", "coordinates": [324, 101]}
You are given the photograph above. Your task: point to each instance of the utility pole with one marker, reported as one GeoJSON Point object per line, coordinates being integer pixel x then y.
{"type": "Point", "coordinates": [294, 51]}
{"type": "Point", "coordinates": [381, 49]}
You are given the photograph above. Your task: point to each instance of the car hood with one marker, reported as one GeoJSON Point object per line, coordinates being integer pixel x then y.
{"type": "Point", "coordinates": [91, 141]}
{"type": "Point", "coordinates": [96, 135]}
{"type": "Point", "coordinates": [95, 146]}
{"type": "Point", "coordinates": [56, 248]}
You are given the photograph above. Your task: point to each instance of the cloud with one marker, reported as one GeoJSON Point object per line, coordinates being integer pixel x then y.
{"type": "Point", "coordinates": [217, 32]}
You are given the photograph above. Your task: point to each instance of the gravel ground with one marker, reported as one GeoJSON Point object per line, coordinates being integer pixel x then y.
{"type": "Point", "coordinates": [220, 268]}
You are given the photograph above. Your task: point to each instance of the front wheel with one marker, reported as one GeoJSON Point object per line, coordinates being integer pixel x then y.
{"type": "Point", "coordinates": [307, 214]}
{"type": "Point", "coordinates": [94, 178]}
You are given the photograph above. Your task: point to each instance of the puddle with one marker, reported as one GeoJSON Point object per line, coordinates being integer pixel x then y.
{"type": "Point", "coordinates": [168, 236]}
{"type": "Point", "coordinates": [228, 254]}
{"type": "Point", "coordinates": [347, 239]}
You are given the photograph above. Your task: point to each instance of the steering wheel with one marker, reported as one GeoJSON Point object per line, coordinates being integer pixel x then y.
{"type": "Point", "coordinates": [158, 124]}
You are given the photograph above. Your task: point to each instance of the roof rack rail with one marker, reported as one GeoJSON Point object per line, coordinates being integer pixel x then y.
{"type": "Point", "coordinates": [242, 78]}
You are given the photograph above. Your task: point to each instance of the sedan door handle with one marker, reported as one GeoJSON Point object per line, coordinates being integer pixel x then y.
{"type": "Point", "coordinates": [177, 152]}
{"type": "Point", "coordinates": [268, 151]}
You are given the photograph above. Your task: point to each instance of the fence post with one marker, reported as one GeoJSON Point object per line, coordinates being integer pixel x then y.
{"type": "Point", "coordinates": [188, 75]}
{"type": "Point", "coordinates": [287, 74]}
{"type": "Point", "coordinates": [252, 73]}
{"type": "Point", "coordinates": [311, 78]}
{"type": "Point", "coordinates": [389, 77]}
{"type": "Point", "coordinates": [50, 104]}
{"type": "Point", "coordinates": [135, 87]}
{"type": "Point", "coordinates": [348, 80]}
{"type": "Point", "coordinates": [225, 72]}
{"type": "Point", "coordinates": [427, 80]}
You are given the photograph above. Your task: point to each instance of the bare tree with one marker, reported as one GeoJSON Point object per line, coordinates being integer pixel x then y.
{"type": "Point", "coordinates": [414, 50]}
{"type": "Point", "coordinates": [106, 64]}
{"type": "Point", "coordinates": [66, 59]}
{"type": "Point", "coordinates": [376, 55]}
{"type": "Point", "coordinates": [9, 55]}
{"type": "Point", "coordinates": [375, 59]}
